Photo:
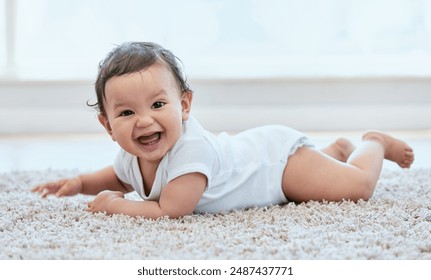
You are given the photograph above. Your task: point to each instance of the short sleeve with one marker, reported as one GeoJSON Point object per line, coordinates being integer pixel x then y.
{"type": "Point", "coordinates": [191, 155]}
{"type": "Point", "coordinates": [122, 163]}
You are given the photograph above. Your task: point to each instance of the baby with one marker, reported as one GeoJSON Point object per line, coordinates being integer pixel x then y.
{"type": "Point", "coordinates": [179, 168]}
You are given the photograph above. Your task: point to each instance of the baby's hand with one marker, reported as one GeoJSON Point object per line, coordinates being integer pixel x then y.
{"type": "Point", "coordinates": [103, 202]}
{"type": "Point", "coordinates": [65, 187]}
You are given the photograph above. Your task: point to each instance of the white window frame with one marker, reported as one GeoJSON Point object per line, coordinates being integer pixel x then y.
{"type": "Point", "coordinates": [10, 12]}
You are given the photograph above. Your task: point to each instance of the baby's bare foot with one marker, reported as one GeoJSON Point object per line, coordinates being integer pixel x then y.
{"type": "Point", "coordinates": [395, 149]}
{"type": "Point", "coordinates": [340, 149]}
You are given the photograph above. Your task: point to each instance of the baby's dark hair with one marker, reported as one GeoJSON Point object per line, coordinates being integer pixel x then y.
{"type": "Point", "coordinates": [131, 57]}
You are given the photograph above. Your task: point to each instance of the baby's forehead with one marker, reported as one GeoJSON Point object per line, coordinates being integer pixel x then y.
{"type": "Point", "coordinates": [160, 67]}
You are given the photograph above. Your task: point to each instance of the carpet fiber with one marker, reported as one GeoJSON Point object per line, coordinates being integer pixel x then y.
{"type": "Point", "coordinates": [394, 224]}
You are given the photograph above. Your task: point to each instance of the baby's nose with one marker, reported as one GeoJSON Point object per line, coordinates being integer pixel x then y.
{"type": "Point", "coordinates": [144, 121]}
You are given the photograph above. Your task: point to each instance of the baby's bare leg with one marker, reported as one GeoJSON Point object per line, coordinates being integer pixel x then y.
{"type": "Point", "coordinates": [311, 175]}
{"type": "Point", "coordinates": [341, 149]}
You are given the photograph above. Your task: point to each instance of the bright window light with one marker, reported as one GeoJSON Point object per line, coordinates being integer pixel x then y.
{"type": "Point", "coordinates": [226, 38]}
{"type": "Point", "coordinates": [2, 38]}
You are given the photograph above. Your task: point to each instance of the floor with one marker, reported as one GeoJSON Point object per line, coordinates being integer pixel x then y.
{"type": "Point", "coordinates": [88, 152]}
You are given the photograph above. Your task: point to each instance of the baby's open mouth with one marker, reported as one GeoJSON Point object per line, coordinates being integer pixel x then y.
{"type": "Point", "coordinates": [150, 139]}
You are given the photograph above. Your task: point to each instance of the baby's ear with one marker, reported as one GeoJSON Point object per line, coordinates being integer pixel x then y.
{"type": "Point", "coordinates": [186, 104]}
{"type": "Point", "coordinates": [105, 123]}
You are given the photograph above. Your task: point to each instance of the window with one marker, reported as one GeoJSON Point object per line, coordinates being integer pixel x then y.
{"type": "Point", "coordinates": [224, 38]}
{"type": "Point", "coordinates": [2, 39]}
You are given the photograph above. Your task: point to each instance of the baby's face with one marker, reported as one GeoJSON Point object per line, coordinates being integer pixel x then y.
{"type": "Point", "coordinates": [145, 112]}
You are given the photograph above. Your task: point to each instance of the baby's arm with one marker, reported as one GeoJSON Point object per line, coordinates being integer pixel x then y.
{"type": "Point", "coordinates": [179, 198]}
{"type": "Point", "coordinates": [90, 183]}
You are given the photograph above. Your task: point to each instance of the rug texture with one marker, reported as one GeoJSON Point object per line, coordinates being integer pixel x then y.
{"type": "Point", "coordinates": [394, 224]}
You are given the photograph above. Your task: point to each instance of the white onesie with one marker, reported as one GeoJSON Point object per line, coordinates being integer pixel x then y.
{"type": "Point", "coordinates": [244, 170]}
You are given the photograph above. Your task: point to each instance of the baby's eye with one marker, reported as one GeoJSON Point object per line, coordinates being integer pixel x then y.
{"type": "Point", "coordinates": [126, 113]}
{"type": "Point", "coordinates": [158, 104]}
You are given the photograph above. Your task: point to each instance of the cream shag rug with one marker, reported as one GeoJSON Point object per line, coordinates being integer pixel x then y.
{"type": "Point", "coordinates": [394, 224]}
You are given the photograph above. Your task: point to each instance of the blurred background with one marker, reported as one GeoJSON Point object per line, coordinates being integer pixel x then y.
{"type": "Point", "coordinates": [326, 67]}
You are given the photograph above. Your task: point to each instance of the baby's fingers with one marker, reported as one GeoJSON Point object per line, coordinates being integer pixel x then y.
{"type": "Point", "coordinates": [90, 207]}
{"type": "Point", "coordinates": [46, 189]}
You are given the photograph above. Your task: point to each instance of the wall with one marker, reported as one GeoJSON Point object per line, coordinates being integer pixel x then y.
{"type": "Point", "coordinates": [232, 105]}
